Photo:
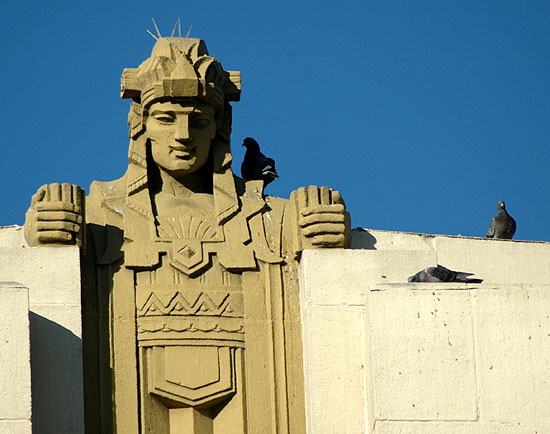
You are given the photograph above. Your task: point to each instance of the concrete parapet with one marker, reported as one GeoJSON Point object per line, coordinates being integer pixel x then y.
{"type": "Point", "coordinates": [53, 278]}
{"type": "Point", "coordinates": [495, 261]}
{"type": "Point", "coordinates": [385, 356]}
{"type": "Point", "coordinates": [15, 363]}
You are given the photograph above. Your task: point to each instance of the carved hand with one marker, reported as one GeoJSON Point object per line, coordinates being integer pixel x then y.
{"type": "Point", "coordinates": [322, 218]}
{"type": "Point", "coordinates": [56, 216]}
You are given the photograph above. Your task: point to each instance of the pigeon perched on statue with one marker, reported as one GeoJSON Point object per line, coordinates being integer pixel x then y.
{"type": "Point", "coordinates": [442, 274]}
{"type": "Point", "coordinates": [256, 165]}
{"type": "Point", "coordinates": [503, 225]}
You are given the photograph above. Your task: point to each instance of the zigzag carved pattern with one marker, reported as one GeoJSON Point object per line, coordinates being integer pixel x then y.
{"type": "Point", "coordinates": [190, 327]}
{"type": "Point", "coordinates": [202, 306]}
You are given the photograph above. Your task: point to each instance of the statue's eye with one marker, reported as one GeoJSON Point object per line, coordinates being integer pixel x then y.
{"type": "Point", "coordinates": [199, 122]}
{"type": "Point", "coordinates": [164, 118]}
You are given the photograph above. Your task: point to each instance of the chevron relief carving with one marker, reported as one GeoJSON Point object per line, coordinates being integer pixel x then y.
{"type": "Point", "coordinates": [189, 326]}
{"type": "Point", "coordinates": [202, 306]}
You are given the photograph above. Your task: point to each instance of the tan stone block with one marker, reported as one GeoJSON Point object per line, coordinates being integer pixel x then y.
{"type": "Point", "coordinates": [350, 271]}
{"type": "Point", "coordinates": [15, 367]}
{"type": "Point", "coordinates": [67, 318]}
{"type": "Point", "coordinates": [422, 351]}
{"type": "Point", "coordinates": [513, 352]}
{"type": "Point", "coordinates": [428, 427]}
{"type": "Point", "coordinates": [52, 274]}
{"type": "Point", "coordinates": [15, 427]}
{"type": "Point", "coordinates": [12, 236]}
{"type": "Point", "coordinates": [416, 427]}
{"type": "Point", "coordinates": [335, 369]}
{"type": "Point", "coordinates": [391, 240]}
{"type": "Point", "coordinates": [57, 384]}
{"type": "Point", "coordinates": [496, 261]}
{"type": "Point", "coordinates": [53, 277]}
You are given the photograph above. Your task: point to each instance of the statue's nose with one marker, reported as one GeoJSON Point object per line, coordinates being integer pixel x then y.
{"type": "Point", "coordinates": [182, 129]}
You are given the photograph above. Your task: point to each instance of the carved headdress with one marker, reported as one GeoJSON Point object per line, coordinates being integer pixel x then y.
{"type": "Point", "coordinates": [178, 68]}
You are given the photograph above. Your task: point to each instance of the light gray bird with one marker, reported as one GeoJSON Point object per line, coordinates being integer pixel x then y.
{"type": "Point", "coordinates": [256, 165]}
{"type": "Point", "coordinates": [442, 274]}
{"type": "Point", "coordinates": [503, 225]}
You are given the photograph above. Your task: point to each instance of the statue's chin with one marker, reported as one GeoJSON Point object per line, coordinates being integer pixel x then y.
{"type": "Point", "coordinates": [181, 166]}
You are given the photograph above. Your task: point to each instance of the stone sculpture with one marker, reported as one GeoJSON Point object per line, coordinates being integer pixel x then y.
{"type": "Point", "coordinates": [190, 304]}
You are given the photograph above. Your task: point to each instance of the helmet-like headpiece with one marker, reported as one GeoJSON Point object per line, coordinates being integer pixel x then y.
{"type": "Point", "coordinates": [179, 68]}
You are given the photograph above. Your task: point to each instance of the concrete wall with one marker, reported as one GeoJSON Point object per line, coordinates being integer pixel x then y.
{"type": "Point", "coordinates": [15, 367]}
{"type": "Point", "coordinates": [385, 356]}
{"type": "Point", "coordinates": [52, 276]}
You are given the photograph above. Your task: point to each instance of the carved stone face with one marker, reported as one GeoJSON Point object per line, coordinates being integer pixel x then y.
{"type": "Point", "coordinates": [180, 133]}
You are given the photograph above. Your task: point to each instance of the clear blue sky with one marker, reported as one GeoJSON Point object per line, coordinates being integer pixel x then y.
{"type": "Point", "coordinates": [423, 114]}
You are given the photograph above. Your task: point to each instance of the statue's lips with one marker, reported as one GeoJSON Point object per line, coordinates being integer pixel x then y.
{"type": "Point", "coordinates": [183, 153]}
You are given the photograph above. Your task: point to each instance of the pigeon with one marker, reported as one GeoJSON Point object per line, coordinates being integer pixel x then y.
{"type": "Point", "coordinates": [256, 165]}
{"type": "Point", "coordinates": [503, 225]}
{"type": "Point", "coordinates": [442, 274]}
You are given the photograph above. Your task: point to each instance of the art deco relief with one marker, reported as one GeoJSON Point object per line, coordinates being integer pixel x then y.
{"type": "Point", "coordinates": [190, 305]}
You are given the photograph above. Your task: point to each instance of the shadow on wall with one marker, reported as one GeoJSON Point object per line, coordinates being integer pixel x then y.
{"type": "Point", "coordinates": [362, 239]}
{"type": "Point", "coordinates": [56, 373]}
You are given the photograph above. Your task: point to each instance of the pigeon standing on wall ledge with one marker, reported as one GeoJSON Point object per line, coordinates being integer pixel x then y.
{"type": "Point", "coordinates": [503, 225]}
{"type": "Point", "coordinates": [256, 165]}
{"type": "Point", "coordinates": [442, 274]}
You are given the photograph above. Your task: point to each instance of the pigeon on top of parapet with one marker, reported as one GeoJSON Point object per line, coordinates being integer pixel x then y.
{"type": "Point", "coordinates": [442, 274]}
{"type": "Point", "coordinates": [256, 165]}
{"type": "Point", "coordinates": [503, 225]}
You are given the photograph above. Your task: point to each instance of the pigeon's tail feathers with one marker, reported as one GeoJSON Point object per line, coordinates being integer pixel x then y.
{"type": "Point", "coordinates": [269, 167]}
{"type": "Point", "coordinates": [462, 275]}
{"type": "Point", "coordinates": [269, 171]}
{"type": "Point", "coordinates": [491, 230]}
{"type": "Point", "coordinates": [268, 174]}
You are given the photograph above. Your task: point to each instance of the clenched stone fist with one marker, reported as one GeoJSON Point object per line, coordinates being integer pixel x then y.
{"type": "Point", "coordinates": [56, 216]}
{"type": "Point", "coordinates": [322, 218]}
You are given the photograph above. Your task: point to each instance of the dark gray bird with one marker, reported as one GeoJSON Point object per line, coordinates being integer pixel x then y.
{"type": "Point", "coordinates": [503, 225]}
{"type": "Point", "coordinates": [256, 165]}
{"type": "Point", "coordinates": [442, 274]}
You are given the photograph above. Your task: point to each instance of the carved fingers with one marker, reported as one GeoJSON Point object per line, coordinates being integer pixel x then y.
{"type": "Point", "coordinates": [55, 215]}
{"type": "Point", "coordinates": [312, 196]}
{"type": "Point", "coordinates": [322, 217]}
